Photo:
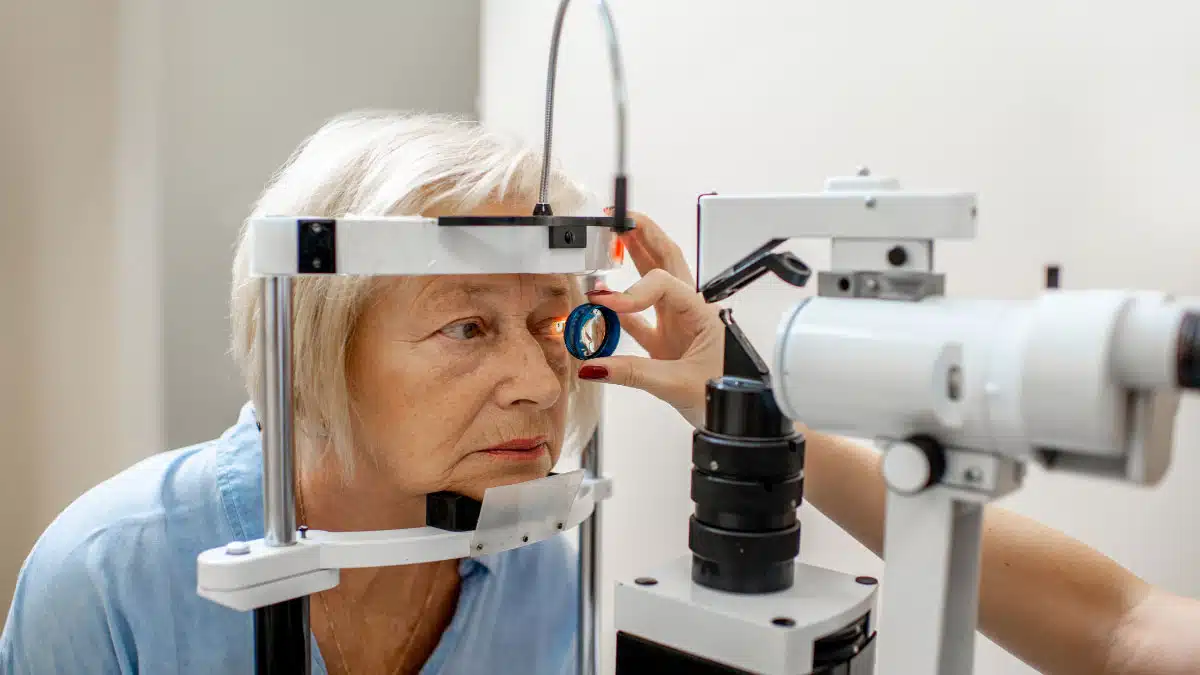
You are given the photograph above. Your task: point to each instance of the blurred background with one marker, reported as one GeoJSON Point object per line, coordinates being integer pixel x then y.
{"type": "Point", "coordinates": [135, 134]}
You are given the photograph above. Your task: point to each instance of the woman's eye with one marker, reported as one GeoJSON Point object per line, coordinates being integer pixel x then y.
{"type": "Point", "coordinates": [553, 328]}
{"type": "Point", "coordinates": [463, 330]}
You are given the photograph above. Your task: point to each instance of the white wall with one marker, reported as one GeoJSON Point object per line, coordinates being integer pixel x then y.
{"type": "Point", "coordinates": [58, 350]}
{"type": "Point", "coordinates": [1076, 122]}
{"type": "Point", "coordinates": [247, 82]}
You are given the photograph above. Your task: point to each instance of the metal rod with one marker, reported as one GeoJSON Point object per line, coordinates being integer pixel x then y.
{"type": "Point", "coordinates": [275, 342]}
{"type": "Point", "coordinates": [281, 639]}
{"type": "Point", "coordinates": [588, 638]}
{"type": "Point", "coordinates": [282, 634]}
{"type": "Point", "coordinates": [589, 572]}
{"type": "Point", "coordinates": [620, 97]}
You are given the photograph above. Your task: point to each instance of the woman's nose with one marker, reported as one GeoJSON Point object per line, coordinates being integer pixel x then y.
{"type": "Point", "coordinates": [528, 376]}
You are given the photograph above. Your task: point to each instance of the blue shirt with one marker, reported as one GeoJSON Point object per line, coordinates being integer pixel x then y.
{"type": "Point", "coordinates": [110, 587]}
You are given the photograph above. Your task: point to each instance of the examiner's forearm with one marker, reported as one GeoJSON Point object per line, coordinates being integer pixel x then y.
{"type": "Point", "coordinates": [1048, 599]}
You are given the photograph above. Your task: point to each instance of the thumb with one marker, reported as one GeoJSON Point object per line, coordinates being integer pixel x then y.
{"type": "Point", "coordinates": [671, 381]}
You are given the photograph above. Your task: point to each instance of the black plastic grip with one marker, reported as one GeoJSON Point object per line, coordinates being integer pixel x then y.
{"type": "Point", "coordinates": [621, 204]}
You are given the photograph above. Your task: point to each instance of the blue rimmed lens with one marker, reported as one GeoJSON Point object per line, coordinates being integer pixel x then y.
{"type": "Point", "coordinates": [592, 332]}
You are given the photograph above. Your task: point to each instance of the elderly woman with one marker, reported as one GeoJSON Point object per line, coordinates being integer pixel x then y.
{"type": "Point", "coordinates": [404, 387]}
{"type": "Point", "coordinates": [416, 385]}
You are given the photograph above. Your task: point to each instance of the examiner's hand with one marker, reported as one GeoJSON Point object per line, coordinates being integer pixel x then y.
{"type": "Point", "coordinates": [686, 344]}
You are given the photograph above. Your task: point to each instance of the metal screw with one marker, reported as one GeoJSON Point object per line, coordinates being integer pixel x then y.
{"type": "Point", "coordinates": [645, 581]}
{"type": "Point", "coordinates": [525, 539]}
{"type": "Point", "coordinates": [559, 526]}
{"type": "Point", "coordinates": [954, 383]}
{"type": "Point", "coordinates": [972, 475]}
{"type": "Point", "coordinates": [864, 171]}
{"type": "Point", "coordinates": [478, 547]}
{"type": "Point", "coordinates": [713, 465]}
{"type": "Point", "coordinates": [237, 548]}
{"type": "Point", "coordinates": [870, 203]}
{"type": "Point", "coordinates": [316, 228]}
{"type": "Point", "coordinates": [316, 263]}
{"type": "Point", "coordinates": [783, 621]}
{"type": "Point", "coordinates": [872, 284]}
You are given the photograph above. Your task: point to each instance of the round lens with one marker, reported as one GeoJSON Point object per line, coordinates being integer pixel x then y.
{"type": "Point", "coordinates": [594, 332]}
{"type": "Point", "coordinates": [591, 331]}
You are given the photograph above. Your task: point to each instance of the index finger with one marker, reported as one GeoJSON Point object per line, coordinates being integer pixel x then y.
{"type": "Point", "coordinates": [658, 287]}
{"type": "Point", "coordinates": [650, 248]}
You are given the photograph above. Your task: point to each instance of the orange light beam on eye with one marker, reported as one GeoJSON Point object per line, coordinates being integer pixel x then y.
{"type": "Point", "coordinates": [559, 326]}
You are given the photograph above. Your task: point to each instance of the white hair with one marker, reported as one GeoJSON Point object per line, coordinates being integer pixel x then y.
{"type": "Point", "coordinates": [379, 163]}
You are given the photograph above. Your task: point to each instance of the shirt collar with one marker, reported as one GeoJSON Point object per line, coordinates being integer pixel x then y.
{"type": "Point", "coordinates": [239, 485]}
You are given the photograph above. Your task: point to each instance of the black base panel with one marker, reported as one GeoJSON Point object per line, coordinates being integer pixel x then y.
{"type": "Point", "coordinates": [281, 639]}
{"type": "Point", "coordinates": [637, 656]}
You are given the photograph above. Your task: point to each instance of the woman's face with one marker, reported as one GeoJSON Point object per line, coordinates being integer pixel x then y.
{"type": "Point", "coordinates": [460, 382]}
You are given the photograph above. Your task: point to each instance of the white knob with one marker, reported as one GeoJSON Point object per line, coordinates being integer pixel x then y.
{"type": "Point", "coordinates": [907, 469]}
{"type": "Point", "coordinates": [237, 548]}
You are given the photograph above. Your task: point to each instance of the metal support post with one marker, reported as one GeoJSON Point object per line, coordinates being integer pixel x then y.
{"type": "Point", "coordinates": [281, 631]}
{"type": "Point", "coordinates": [589, 572]}
{"type": "Point", "coordinates": [932, 545]}
{"type": "Point", "coordinates": [588, 638]}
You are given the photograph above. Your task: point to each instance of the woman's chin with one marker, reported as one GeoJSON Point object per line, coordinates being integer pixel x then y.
{"type": "Point", "coordinates": [496, 469]}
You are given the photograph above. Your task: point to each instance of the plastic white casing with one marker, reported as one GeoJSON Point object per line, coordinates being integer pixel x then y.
{"type": "Point", "coordinates": [412, 245]}
{"type": "Point", "coordinates": [246, 575]}
{"type": "Point", "coordinates": [851, 209]}
{"type": "Point", "coordinates": [1056, 373]}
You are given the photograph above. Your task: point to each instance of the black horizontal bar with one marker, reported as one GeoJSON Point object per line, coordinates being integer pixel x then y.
{"type": "Point", "coordinates": [535, 221]}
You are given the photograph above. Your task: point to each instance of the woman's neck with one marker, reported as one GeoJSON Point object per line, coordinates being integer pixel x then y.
{"type": "Point", "coordinates": [386, 619]}
{"type": "Point", "coordinates": [326, 500]}
{"type": "Point", "coordinates": [330, 501]}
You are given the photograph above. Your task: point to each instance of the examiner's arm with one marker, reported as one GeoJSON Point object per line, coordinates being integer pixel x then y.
{"type": "Point", "coordinates": [1055, 603]}
{"type": "Point", "coordinates": [1048, 599]}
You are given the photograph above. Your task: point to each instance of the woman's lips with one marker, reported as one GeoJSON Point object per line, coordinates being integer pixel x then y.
{"type": "Point", "coordinates": [523, 449]}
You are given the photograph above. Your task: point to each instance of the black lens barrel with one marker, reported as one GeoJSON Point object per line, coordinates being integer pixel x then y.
{"type": "Point", "coordinates": [747, 482]}
{"type": "Point", "coordinates": [1188, 356]}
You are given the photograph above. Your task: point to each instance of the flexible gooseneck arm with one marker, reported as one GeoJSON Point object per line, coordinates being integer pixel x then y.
{"type": "Point", "coordinates": [620, 99]}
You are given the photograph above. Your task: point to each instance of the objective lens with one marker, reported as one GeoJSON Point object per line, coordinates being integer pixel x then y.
{"type": "Point", "coordinates": [1188, 357]}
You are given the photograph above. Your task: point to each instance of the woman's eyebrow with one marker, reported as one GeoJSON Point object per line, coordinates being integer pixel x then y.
{"type": "Point", "coordinates": [545, 291]}
{"type": "Point", "coordinates": [446, 296]}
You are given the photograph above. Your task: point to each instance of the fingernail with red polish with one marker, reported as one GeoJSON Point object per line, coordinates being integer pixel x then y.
{"type": "Point", "coordinates": [599, 291]}
{"type": "Point", "coordinates": [609, 209]}
{"type": "Point", "coordinates": [593, 373]}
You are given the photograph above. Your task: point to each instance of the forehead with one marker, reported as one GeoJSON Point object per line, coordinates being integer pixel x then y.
{"type": "Point", "coordinates": [482, 286]}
